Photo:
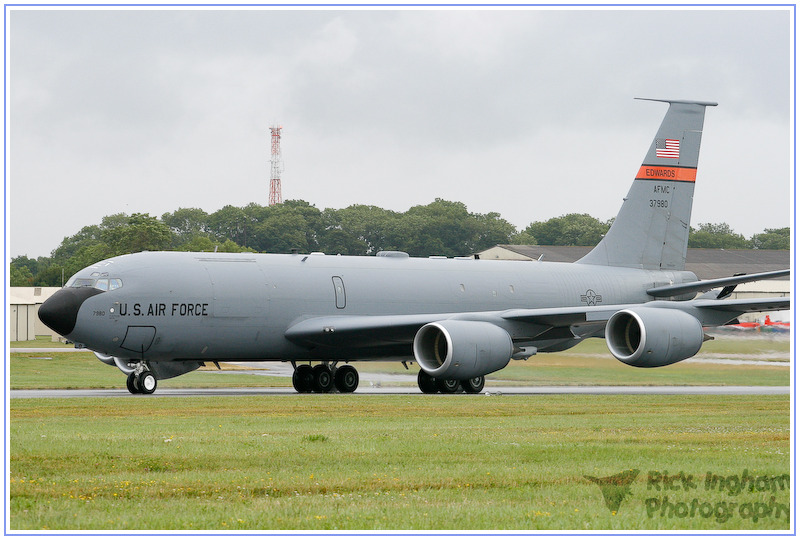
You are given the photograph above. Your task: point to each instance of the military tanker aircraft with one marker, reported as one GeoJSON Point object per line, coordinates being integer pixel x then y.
{"type": "Point", "coordinates": [157, 315]}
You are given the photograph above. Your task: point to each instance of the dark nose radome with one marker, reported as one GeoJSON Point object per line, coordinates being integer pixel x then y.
{"type": "Point", "coordinates": [60, 311]}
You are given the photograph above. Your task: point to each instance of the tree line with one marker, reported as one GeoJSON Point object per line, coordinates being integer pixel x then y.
{"type": "Point", "coordinates": [439, 228]}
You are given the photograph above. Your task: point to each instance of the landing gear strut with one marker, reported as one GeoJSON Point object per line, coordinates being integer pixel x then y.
{"type": "Point", "coordinates": [323, 378]}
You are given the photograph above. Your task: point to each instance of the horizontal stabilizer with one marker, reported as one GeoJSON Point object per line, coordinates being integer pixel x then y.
{"type": "Point", "coordinates": [748, 305]}
{"type": "Point", "coordinates": [707, 285]}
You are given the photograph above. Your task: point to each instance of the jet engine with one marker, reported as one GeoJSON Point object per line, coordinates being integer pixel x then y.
{"type": "Point", "coordinates": [454, 349]}
{"type": "Point", "coordinates": [653, 337]}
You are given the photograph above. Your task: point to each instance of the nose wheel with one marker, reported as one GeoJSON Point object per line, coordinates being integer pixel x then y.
{"type": "Point", "coordinates": [142, 383]}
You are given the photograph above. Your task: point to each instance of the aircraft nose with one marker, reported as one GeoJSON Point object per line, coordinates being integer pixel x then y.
{"type": "Point", "coordinates": [60, 311]}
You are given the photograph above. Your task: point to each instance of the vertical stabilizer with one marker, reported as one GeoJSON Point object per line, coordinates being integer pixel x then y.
{"type": "Point", "coordinates": [651, 230]}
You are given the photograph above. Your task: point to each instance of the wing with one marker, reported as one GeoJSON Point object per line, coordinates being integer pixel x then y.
{"type": "Point", "coordinates": [710, 312]}
{"type": "Point", "coordinates": [367, 331]}
{"type": "Point", "coordinates": [523, 324]}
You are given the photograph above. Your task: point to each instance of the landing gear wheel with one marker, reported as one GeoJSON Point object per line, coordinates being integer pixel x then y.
{"type": "Point", "coordinates": [346, 379]}
{"type": "Point", "coordinates": [448, 386]}
{"type": "Point", "coordinates": [474, 385]}
{"type": "Point", "coordinates": [426, 383]}
{"type": "Point", "coordinates": [303, 379]}
{"type": "Point", "coordinates": [147, 382]}
{"type": "Point", "coordinates": [323, 379]}
{"type": "Point", "coordinates": [131, 383]}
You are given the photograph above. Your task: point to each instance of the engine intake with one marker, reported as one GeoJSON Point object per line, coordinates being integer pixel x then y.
{"type": "Point", "coordinates": [454, 349]}
{"type": "Point", "coordinates": [653, 337]}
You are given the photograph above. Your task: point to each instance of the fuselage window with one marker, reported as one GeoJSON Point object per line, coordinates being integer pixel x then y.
{"type": "Point", "coordinates": [114, 283]}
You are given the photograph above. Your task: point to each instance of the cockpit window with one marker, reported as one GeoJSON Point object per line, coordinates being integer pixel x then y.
{"type": "Point", "coordinates": [104, 284]}
{"type": "Point", "coordinates": [82, 282]}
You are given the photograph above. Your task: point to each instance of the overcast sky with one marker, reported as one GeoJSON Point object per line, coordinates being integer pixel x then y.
{"type": "Point", "coordinates": [525, 112]}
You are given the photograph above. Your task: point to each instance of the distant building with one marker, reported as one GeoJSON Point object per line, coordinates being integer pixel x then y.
{"type": "Point", "coordinates": [23, 319]}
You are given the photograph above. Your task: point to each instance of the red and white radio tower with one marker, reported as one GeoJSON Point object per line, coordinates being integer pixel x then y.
{"type": "Point", "coordinates": [276, 167]}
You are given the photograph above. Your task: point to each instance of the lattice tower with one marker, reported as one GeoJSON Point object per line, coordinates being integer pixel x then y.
{"type": "Point", "coordinates": [276, 167]}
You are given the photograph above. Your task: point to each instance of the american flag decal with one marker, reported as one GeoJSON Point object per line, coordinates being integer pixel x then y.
{"type": "Point", "coordinates": [668, 148]}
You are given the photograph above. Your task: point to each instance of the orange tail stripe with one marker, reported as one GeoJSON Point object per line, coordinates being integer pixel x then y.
{"type": "Point", "coordinates": [678, 174]}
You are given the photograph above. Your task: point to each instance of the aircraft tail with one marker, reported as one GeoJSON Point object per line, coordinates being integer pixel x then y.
{"type": "Point", "coordinates": [651, 230]}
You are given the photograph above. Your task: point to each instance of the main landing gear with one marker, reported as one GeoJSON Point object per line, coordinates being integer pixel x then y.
{"type": "Point", "coordinates": [431, 385]}
{"type": "Point", "coordinates": [323, 378]}
{"type": "Point", "coordinates": [143, 382]}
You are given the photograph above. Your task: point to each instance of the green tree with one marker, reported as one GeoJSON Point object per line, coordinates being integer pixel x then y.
{"type": "Point", "coordinates": [282, 232]}
{"type": "Point", "coordinates": [87, 236]}
{"type": "Point", "coordinates": [568, 230]}
{"type": "Point", "coordinates": [358, 230]}
{"type": "Point", "coordinates": [716, 236]}
{"type": "Point", "coordinates": [229, 246]}
{"type": "Point", "coordinates": [20, 276]}
{"type": "Point", "coordinates": [52, 276]}
{"type": "Point", "coordinates": [186, 224]}
{"type": "Point", "coordinates": [229, 222]}
{"type": "Point", "coordinates": [492, 230]}
{"type": "Point", "coordinates": [522, 239]}
{"type": "Point", "coordinates": [86, 255]}
{"type": "Point", "coordinates": [773, 239]}
{"type": "Point", "coordinates": [337, 241]}
{"type": "Point", "coordinates": [24, 262]}
{"type": "Point", "coordinates": [142, 232]}
{"type": "Point", "coordinates": [283, 227]}
{"type": "Point", "coordinates": [439, 228]}
{"type": "Point", "coordinates": [198, 243]}
{"type": "Point", "coordinates": [41, 272]}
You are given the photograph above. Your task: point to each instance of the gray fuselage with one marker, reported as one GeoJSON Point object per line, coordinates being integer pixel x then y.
{"type": "Point", "coordinates": [219, 306]}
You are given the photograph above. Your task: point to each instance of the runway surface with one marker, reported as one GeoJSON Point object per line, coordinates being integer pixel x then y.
{"type": "Point", "coordinates": [392, 383]}
{"type": "Point", "coordinates": [488, 391]}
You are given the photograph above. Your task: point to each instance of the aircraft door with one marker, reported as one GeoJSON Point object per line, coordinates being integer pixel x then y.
{"type": "Point", "coordinates": [338, 289]}
{"type": "Point", "coordinates": [138, 338]}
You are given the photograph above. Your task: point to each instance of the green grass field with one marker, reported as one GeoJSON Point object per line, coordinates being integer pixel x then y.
{"type": "Point", "coordinates": [392, 462]}
{"type": "Point", "coordinates": [388, 462]}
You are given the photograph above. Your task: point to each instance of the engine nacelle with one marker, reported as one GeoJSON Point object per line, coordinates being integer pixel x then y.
{"type": "Point", "coordinates": [653, 337]}
{"type": "Point", "coordinates": [454, 349]}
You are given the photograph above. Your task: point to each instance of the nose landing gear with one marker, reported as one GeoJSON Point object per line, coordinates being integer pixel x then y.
{"type": "Point", "coordinates": [142, 381]}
